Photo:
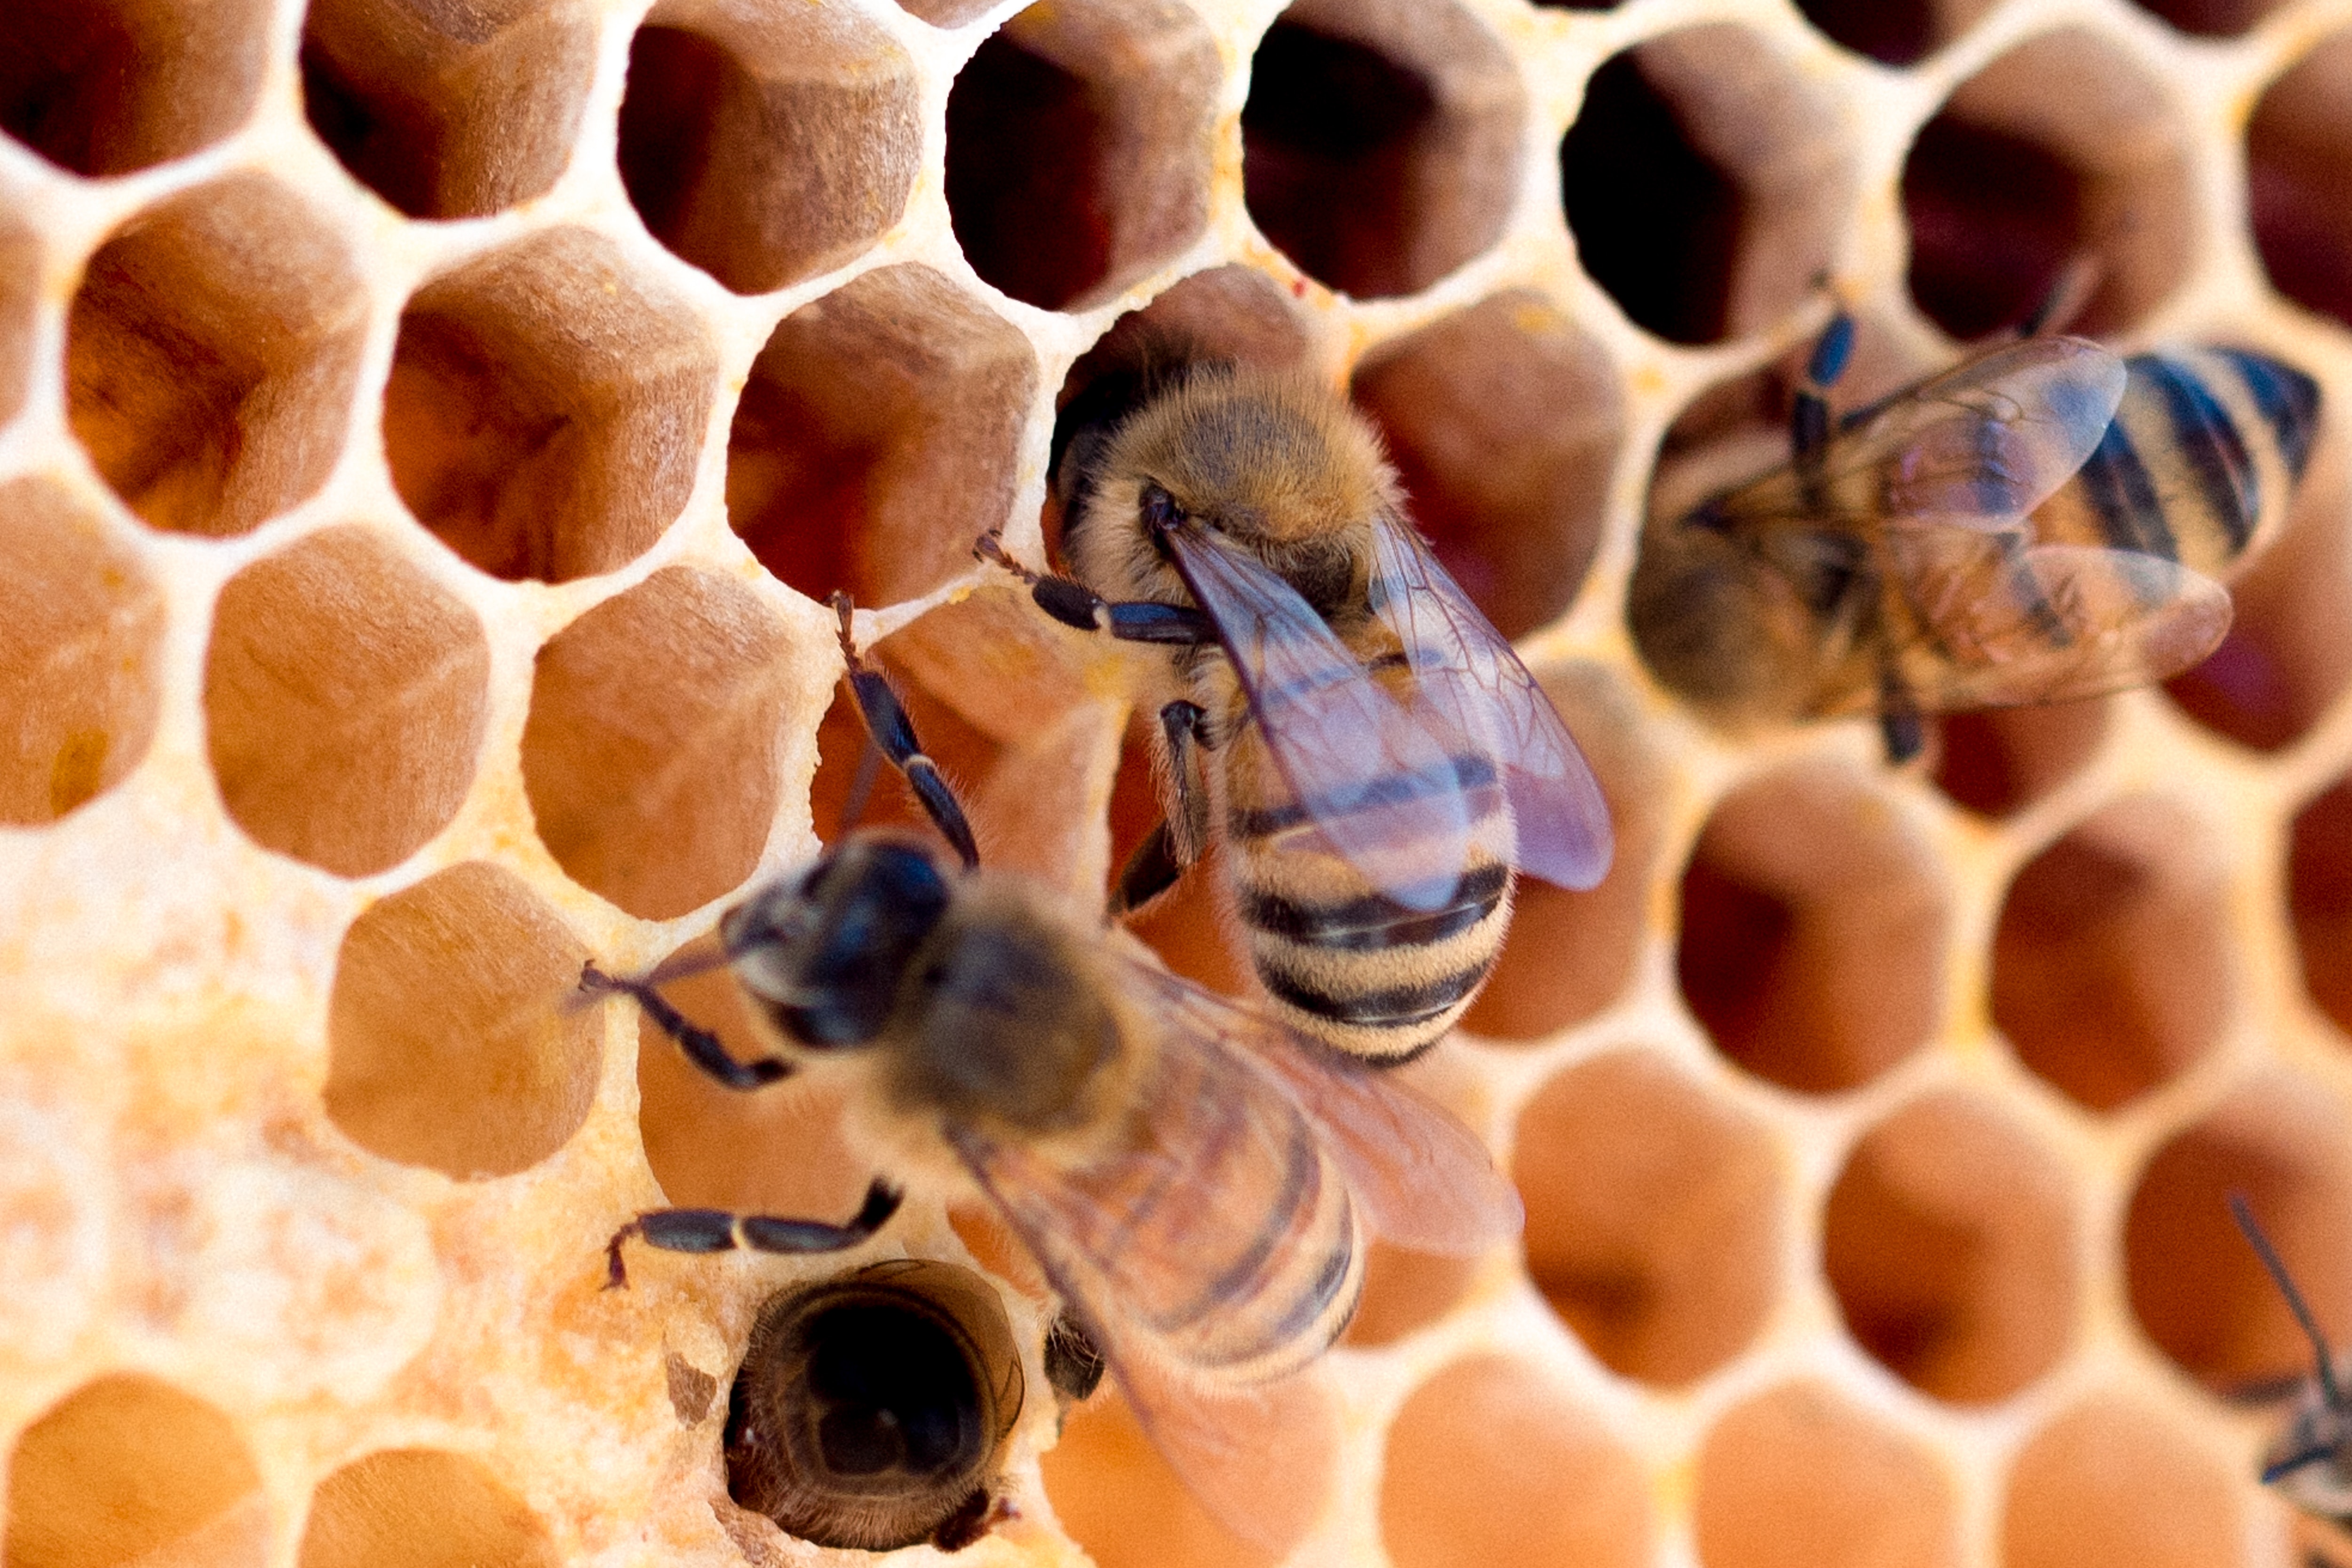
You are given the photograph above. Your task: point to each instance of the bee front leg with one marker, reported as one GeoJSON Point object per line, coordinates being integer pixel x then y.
{"type": "Point", "coordinates": [1074, 604]}
{"type": "Point", "coordinates": [701, 1047]}
{"type": "Point", "coordinates": [717, 1230]}
{"type": "Point", "coordinates": [894, 732]}
{"type": "Point", "coordinates": [1809, 410]}
{"type": "Point", "coordinates": [1181, 837]}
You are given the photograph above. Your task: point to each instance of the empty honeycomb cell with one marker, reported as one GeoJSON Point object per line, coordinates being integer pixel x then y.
{"type": "Point", "coordinates": [2319, 898]}
{"type": "Point", "coordinates": [450, 1040]}
{"type": "Point", "coordinates": [651, 754]}
{"type": "Point", "coordinates": [421, 1508]}
{"type": "Point", "coordinates": [20, 293]}
{"type": "Point", "coordinates": [1799, 1477]}
{"type": "Point", "coordinates": [345, 694]}
{"type": "Point", "coordinates": [1812, 932]}
{"type": "Point", "coordinates": [766, 141]}
{"type": "Point", "coordinates": [877, 437]}
{"type": "Point", "coordinates": [1503, 421]}
{"type": "Point", "coordinates": [81, 630]}
{"type": "Point", "coordinates": [449, 111]}
{"type": "Point", "coordinates": [1079, 141]}
{"type": "Point", "coordinates": [2288, 654]}
{"type": "Point", "coordinates": [1999, 761]}
{"type": "Point", "coordinates": [2112, 970]}
{"type": "Point", "coordinates": [780, 1151]}
{"type": "Point", "coordinates": [1653, 1216]}
{"type": "Point", "coordinates": [1227, 313]}
{"type": "Point", "coordinates": [545, 407]}
{"type": "Point", "coordinates": [109, 87]}
{"type": "Point", "coordinates": [130, 1471]}
{"type": "Point", "coordinates": [1405, 1292]}
{"type": "Point", "coordinates": [2061, 150]}
{"type": "Point", "coordinates": [1705, 181]}
{"type": "Point", "coordinates": [1570, 954]}
{"type": "Point", "coordinates": [2298, 159]}
{"type": "Point", "coordinates": [211, 354]}
{"type": "Point", "coordinates": [1381, 144]}
{"type": "Point", "coordinates": [2211, 18]}
{"type": "Point", "coordinates": [2195, 1285]}
{"type": "Point", "coordinates": [1894, 32]}
{"type": "Point", "coordinates": [2114, 1484]}
{"type": "Point", "coordinates": [1491, 1465]}
{"type": "Point", "coordinates": [1948, 1240]}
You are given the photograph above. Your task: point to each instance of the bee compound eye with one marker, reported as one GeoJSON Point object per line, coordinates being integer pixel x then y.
{"type": "Point", "coordinates": [870, 1411]}
{"type": "Point", "coordinates": [1159, 509]}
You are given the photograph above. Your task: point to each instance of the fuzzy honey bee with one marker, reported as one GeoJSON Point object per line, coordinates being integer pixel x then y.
{"type": "Point", "coordinates": [1368, 755]}
{"type": "Point", "coordinates": [1195, 1180]}
{"type": "Point", "coordinates": [2310, 1461]}
{"type": "Point", "coordinates": [2044, 522]}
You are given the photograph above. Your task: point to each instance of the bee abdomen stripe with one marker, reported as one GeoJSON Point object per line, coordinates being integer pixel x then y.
{"type": "Point", "coordinates": [1473, 778]}
{"type": "Point", "coordinates": [1398, 1007]}
{"type": "Point", "coordinates": [2116, 483]}
{"type": "Point", "coordinates": [1375, 921]}
{"type": "Point", "coordinates": [1313, 1304]}
{"type": "Point", "coordinates": [2288, 400]}
{"type": "Point", "coordinates": [2207, 441]}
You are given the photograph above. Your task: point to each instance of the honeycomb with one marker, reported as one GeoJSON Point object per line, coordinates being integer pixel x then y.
{"type": "Point", "coordinates": [428, 429]}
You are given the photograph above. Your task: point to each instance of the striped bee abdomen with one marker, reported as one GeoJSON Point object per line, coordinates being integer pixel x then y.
{"type": "Point", "coordinates": [2199, 464]}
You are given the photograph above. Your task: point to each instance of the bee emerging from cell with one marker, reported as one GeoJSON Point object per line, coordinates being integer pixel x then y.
{"type": "Point", "coordinates": [1365, 754]}
{"type": "Point", "coordinates": [2043, 522]}
{"type": "Point", "coordinates": [2310, 1461]}
{"type": "Point", "coordinates": [1195, 1180]}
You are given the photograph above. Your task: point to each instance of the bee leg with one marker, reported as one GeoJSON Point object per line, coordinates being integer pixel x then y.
{"type": "Point", "coordinates": [1179, 839]}
{"type": "Point", "coordinates": [894, 732]}
{"type": "Point", "coordinates": [701, 1047]}
{"type": "Point", "coordinates": [715, 1230]}
{"type": "Point", "coordinates": [1074, 1365]}
{"type": "Point", "coordinates": [1809, 410]}
{"type": "Point", "coordinates": [1150, 871]}
{"type": "Point", "coordinates": [1074, 604]}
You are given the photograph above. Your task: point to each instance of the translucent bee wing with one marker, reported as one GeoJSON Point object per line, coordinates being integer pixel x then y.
{"type": "Point", "coordinates": [1994, 621]}
{"type": "Point", "coordinates": [1472, 692]}
{"type": "Point", "coordinates": [1986, 441]}
{"type": "Point", "coordinates": [1381, 789]}
{"type": "Point", "coordinates": [1419, 1178]}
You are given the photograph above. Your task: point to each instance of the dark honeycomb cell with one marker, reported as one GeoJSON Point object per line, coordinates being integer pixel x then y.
{"type": "Point", "coordinates": [1812, 930]}
{"type": "Point", "coordinates": [1655, 1223]}
{"type": "Point", "coordinates": [1570, 954]}
{"type": "Point", "coordinates": [1949, 1242]}
{"type": "Point", "coordinates": [1705, 183]}
{"type": "Point", "coordinates": [128, 1470]}
{"type": "Point", "coordinates": [1797, 1477]}
{"type": "Point", "coordinates": [2195, 1284]}
{"type": "Point", "coordinates": [1380, 143]}
{"type": "Point", "coordinates": [546, 406]}
{"type": "Point", "coordinates": [2298, 162]}
{"type": "Point", "coordinates": [211, 354]}
{"type": "Point", "coordinates": [766, 141]}
{"type": "Point", "coordinates": [1079, 141]}
{"type": "Point", "coordinates": [1894, 32]}
{"type": "Point", "coordinates": [1999, 761]}
{"type": "Point", "coordinates": [2112, 970]}
{"type": "Point", "coordinates": [1490, 1462]}
{"type": "Point", "coordinates": [651, 753]}
{"type": "Point", "coordinates": [110, 87]}
{"type": "Point", "coordinates": [421, 1508]}
{"type": "Point", "coordinates": [2061, 152]}
{"type": "Point", "coordinates": [876, 436]}
{"type": "Point", "coordinates": [449, 111]}
{"type": "Point", "coordinates": [345, 696]}
{"type": "Point", "coordinates": [81, 631]}
{"type": "Point", "coordinates": [2113, 1483]}
{"type": "Point", "coordinates": [1503, 422]}
{"type": "Point", "coordinates": [2211, 18]}
{"type": "Point", "coordinates": [2319, 896]}
{"type": "Point", "coordinates": [449, 1042]}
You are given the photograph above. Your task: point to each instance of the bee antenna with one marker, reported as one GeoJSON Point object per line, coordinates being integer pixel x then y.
{"type": "Point", "coordinates": [2244, 1215]}
{"type": "Point", "coordinates": [2297, 1460]}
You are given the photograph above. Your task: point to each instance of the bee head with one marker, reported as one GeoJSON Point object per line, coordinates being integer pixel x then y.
{"type": "Point", "coordinates": [826, 953]}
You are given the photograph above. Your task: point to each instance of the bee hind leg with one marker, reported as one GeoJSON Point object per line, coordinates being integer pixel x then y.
{"type": "Point", "coordinates": [1808, 409]}
{"type": "Point", "coordinates": [894, 732]}
{"type": "Point", "coordinates": [717, 1230]}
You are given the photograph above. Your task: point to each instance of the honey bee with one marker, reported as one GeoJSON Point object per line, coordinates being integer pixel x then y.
{"type": "Point", "coordinates": [1194, 1179]}
{"type": "Point", "coordinates": [1373, 757]}
{"type": "Point", "coordinates": [2041, 524]}
{"type": "Point", "coordinates": [872, 1411]}
{"type": "Point", "coordinates": [2311, 1462]}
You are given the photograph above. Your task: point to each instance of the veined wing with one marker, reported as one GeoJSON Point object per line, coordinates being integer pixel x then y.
{"type": "Point", "coordinates": [1475, 696]}
{"type": "Point", "coordinates": [1989, 440]}
{"type": "Point", "coordinates": [1381, 789]}
{"type": "Point", "coordinates": [1982, 619]}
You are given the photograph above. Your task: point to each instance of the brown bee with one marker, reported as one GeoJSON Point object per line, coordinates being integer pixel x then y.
{"type": "Point", "coordinates": [1195, 1179]}
{"type": "Point", "coordinates": [2311, 1462]}
{"type": "Point", "coordinates": [2040, 523]}
{"type": "Point", "coordinates": [1369, 756]}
